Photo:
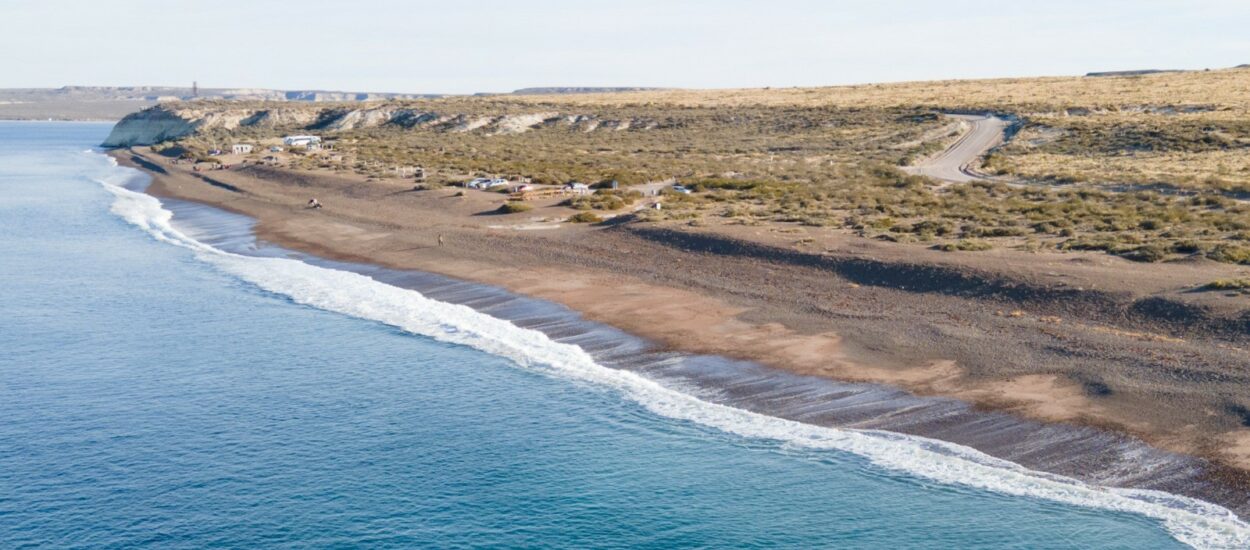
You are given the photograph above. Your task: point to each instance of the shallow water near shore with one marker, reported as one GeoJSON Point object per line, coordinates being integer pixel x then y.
{"type": "Point", "coordinates": [161, 391]}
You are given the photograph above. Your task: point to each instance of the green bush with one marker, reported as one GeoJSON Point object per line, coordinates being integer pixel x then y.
{"type": "Point", "coordinates": [1186, 247]}
{"type": "Point", "coordinates": [707, 184]}
{"type": "Point", "coordinates": [1147, 253]}
{"type": "Point", "coordinates": [585, 217]}
{"type": "Point", "coordinates": [603, 199]}
{"type": "Point", "coordinates": [966, 245]}
{"type": "Point", "coordinates": [1228, 284]}
{"type": "Point", "coordinates": [1231, 254]}
{"type": "Point", "coordinates": [514, 207]}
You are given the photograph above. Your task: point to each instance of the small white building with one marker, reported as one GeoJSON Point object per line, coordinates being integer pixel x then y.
{"type": "Point", "coordinates": [301, 141]}
{"type": "Point", "coordinates": [241, 148]}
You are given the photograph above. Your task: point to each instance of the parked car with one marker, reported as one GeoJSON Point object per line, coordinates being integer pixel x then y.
{"type": "Point", "coordinates": [485, 183]}
{"type": "Point", "coordinates": [682, 189]}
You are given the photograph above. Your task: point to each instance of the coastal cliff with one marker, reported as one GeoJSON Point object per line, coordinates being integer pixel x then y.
{"type": "Point", "coordinates": [172, 121]}
{"type": "Point", "coordinates": [150, 126]}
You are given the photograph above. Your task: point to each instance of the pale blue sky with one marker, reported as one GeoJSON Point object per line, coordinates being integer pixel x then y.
{"type": "Point", "coordinates": [469, 46]}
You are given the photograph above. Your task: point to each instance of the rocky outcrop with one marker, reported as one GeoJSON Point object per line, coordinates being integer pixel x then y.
{"type": "Point", "coordinates": [352, 119]}
{"type": "Point", "coordinates": [274, 118]}
{"type": "Point", "coordinates": [149, 126]}
{"type": "Point", "coordinates": [171, 121]}
{"type": "Point", "coordinates": [411, 118]}
{"type": "Point", "coordinates": [515, 124]}
{"type": "Point", "coordinates": [464, 123]}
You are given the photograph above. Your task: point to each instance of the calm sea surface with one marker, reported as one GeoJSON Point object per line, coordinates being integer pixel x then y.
{"type": "Point", "coordinates": [155, 394]}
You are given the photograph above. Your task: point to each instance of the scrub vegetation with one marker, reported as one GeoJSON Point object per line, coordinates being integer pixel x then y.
{"type": "Point", "coordinates": [1151, 167]}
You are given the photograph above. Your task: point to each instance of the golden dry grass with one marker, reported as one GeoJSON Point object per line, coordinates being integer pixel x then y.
{"type": "Point", "coordinates": [1228, 170]}
{"type": "Point", "coordinates": [1228, 87]}
{"type": "Point", "coordinates": [1206, 149]}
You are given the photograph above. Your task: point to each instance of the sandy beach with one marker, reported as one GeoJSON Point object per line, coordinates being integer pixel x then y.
{"type": "Point", "coordinates": [1082, 339]}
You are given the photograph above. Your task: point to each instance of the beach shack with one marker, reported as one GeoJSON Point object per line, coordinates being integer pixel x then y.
{"type": "Point", "coordinates": [241, 149]}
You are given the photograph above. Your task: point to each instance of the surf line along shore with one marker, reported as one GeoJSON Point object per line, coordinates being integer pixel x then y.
{"type": "Point", "coordinates": [801, 320]}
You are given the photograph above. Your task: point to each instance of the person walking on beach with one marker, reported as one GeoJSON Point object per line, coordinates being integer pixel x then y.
{"type": "Point", "coordinates": [440, 239]}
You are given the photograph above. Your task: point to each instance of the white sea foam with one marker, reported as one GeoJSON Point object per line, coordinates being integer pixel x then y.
{"type": "Point", "coordinates": [1193, 522]}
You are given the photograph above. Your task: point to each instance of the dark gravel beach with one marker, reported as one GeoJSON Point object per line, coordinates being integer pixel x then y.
{"type": "Point", "coordinates": [1103, 350]}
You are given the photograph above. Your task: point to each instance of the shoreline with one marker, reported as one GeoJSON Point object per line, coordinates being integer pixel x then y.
{"type": "Point", "coordinates": [788, 387]}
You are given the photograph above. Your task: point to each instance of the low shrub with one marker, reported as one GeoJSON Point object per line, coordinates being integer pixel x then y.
{"type": "Point", "coordinates": [1231, 254]}
{"type": "Point", "coordinates": [1146, 253]}
{"type": "Point", "coordinates": [1228, 284]}
{"type": "Point", "coordinates": [707, 184]}
{"type": "Point", "coordinates": [603, 199]}
{"type": "Point", "coordinates": [514, 207]}
{"type": "Point", "coordinates": [1186, 247]}
{"type": "Point", "coordinates": [966, 245]}
{"type": "Point", "coordinates": [585, 217]}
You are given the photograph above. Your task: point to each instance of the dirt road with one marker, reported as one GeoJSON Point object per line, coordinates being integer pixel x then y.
{"type": "Point", "coordinates": [957, 163]}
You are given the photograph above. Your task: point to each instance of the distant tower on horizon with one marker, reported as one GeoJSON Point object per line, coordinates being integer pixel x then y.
{"type": "Point", "coordinates": [195, 89]}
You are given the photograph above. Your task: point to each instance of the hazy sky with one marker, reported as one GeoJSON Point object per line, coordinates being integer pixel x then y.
{"type": "Point", "coordinates": [469, 46]}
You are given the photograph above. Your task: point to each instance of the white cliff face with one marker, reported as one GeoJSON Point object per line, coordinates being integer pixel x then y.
{"type": "Point", "coordinates": [147, 127]}
{"type": "Point", "coordinates": [516, 124]}
{"type": "Point", "coordinates": [410, 118]}
{"type": "Point", "coordinates": [172, 121]}
{"type": "Point", "coordinates": [274, 118]}
{"type": "Point", "coordinates": [362, 118]}
{"type": "Point", "coordinates": [469, 124]}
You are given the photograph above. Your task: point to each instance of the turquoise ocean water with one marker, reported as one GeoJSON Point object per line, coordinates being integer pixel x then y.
{"type": "Point", "coordinates": [158, 393]}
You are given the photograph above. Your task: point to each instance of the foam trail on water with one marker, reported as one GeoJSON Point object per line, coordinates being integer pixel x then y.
{"type": "Point", "coordinates": [1193, 522]}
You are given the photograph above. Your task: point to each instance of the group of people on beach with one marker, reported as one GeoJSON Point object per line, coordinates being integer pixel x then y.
{"type": "Point", "coordinates": [214, 167]}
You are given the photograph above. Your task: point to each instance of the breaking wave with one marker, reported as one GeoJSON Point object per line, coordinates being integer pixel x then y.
{"type": "Point", "coordinates": [1190, 521]}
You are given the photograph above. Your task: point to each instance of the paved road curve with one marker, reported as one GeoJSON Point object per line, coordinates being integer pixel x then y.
{"type": "Point", "coordinates": [956, 164]}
